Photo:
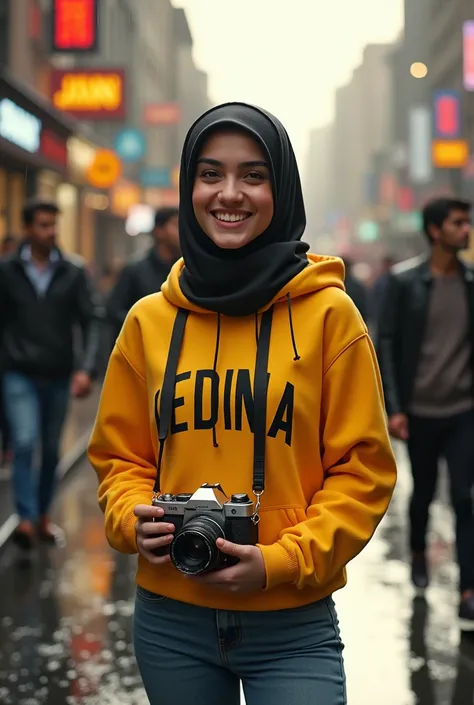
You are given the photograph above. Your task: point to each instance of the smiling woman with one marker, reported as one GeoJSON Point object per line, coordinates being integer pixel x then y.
{"type": "Point", "coordinates": [251, 372]}
{"type": "Point", "coordinates": [232, 195]}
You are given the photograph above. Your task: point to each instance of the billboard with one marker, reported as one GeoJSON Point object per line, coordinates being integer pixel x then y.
{"type": "Point", "coordinates": [447, 115]}
{"type": "Point", "coordinates": [450, 154]}
{"type": "Point", "coordinates": [468, 55]}
{"type": "Point", "coordinates": [75, 26]}
{"type": "Point", "coordinates": [419, 148]}
{"type": "Point", "coordinates": [89, 94]}
{"type": "Point", "coordinates": [162, 114]}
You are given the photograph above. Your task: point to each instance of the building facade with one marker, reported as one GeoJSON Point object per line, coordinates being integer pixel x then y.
{"type": "Point", "coordinates": [143, 45]}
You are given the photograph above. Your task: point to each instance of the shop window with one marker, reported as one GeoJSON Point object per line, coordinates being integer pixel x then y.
{"type": "Point", "coordinates": [17, 195]}
{"type": "Point", "coordinates": [68, 205]}
{"type": "Point", "coordinates": [3, 203]}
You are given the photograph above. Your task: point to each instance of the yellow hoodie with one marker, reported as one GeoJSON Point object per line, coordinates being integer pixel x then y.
{"type": "Point", "coordinates": [330, 470]}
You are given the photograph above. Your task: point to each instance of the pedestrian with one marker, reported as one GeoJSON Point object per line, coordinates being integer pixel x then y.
{"type": "Point", "coordinates": [377, 293]}
{"type": "Point", "coordinates": [355, 289]}
{"type": "Point", "coordinates": [426, 338]}
{"type": "Point", "coordinates": [251, 371]}
{"type": "Point", "coordinates": [145, 275]}
{"type": "Point", "coordinates": [7, 246]}
{"type": "Point", "coordinates": [44, 296]}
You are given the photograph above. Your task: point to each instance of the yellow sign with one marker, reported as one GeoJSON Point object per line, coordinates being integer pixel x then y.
{"type": "Point", "coordinates": [123, 196]}
{"type": "Point", "coordinates": [89, 94]}
{"type": "Point", "coordinates": [105, 170]}
{"type": "Point", "coordinates": [450, 154]}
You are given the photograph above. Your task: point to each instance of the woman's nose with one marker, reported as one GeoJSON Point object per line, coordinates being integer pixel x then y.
{"type": "Point", "coordinates": [230, 192]}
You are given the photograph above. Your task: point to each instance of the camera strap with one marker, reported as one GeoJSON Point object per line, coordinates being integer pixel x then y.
{"type": "Point", "coordinates": [260, 390]}
{"type": "Point", "coordinates": [163, 418]}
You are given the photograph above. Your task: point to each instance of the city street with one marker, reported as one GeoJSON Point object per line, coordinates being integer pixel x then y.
{"type": "Point", "coordinates": [66, 617]}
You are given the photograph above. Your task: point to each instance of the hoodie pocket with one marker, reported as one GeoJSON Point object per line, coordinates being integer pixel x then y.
{"type": "Point", "coordinates": [274, 520]}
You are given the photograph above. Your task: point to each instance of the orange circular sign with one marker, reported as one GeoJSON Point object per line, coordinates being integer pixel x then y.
{"type": "Point", "coordinates": [105, 170]}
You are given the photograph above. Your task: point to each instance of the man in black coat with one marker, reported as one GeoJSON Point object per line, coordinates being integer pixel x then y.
{"type": "Point", "coordinates": [426, 354]}
{"type": "Point", "coordinates": [145, 275]}
{"type": "Point", "coordinates": [45, 298]}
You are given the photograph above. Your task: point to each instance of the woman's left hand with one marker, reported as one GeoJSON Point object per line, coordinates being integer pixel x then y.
{"type": "Point", "coordinates": [247, 576]}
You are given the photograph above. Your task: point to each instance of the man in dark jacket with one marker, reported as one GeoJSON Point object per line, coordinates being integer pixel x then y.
{"type": "Point", "coordinates": [7, 246]}
{"type": "Point", "coordinates": [44, 296]}
{"type": "Point", "coordinates": [146, 275]}
{"type": "Point", "coordinates": [355, 289]}
{"type": "Point", "coordinates": [426, 352]}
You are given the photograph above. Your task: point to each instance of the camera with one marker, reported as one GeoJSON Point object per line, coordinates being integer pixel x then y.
{"type": "Point", "coordinates": [200, 519]}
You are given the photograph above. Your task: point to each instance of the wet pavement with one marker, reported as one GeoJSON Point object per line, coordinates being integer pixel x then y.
{"type": "Point", "coordinates": [66, 617]}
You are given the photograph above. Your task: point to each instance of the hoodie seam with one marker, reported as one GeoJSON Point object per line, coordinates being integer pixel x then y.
{"type": "Point", "coordinates": [341, 352]}
{"type": "Point", "coordinates": [127, 359]}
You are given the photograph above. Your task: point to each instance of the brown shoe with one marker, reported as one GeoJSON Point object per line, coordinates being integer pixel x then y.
{"type": "Point", "coordinates": [50, 533]}
{"type": "Point", "coordinates": [24, 535]}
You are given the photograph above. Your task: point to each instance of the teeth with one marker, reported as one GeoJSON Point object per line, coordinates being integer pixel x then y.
{"type": "Point", "coordinates": [230, 217]}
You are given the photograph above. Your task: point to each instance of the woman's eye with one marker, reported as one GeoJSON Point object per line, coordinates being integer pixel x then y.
{"type": "Point", "coordinates": [210, 174]}
{"type": "Point", "coordinates": [255, 176]}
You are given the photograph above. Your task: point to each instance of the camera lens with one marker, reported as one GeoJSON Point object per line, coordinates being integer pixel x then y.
{"type": "Point", "coordinates": [193, 549]}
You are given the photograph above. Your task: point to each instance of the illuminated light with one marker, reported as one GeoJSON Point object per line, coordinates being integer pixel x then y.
{"type": "Point", "coordinates": [162, 114]}
{"type": "Point", "coordinates": [123, 196]}
{"type": "Point", "coordinates": [418, 69]}
{"type": "Point", "coordinates": [368, 231]}
{"type": "Point", "coordinates": [141, 219]}
{"type": "Point", "coordinates": [447, 114]}
{"type": "Point", "coordinates": [468, 55]}
{"type": "Point", "coordinates": [450, 154]}
{"type": "Point", "coordinates": [89, 94]}
{"type": "Point", "coordinates": [75, 25]}
{"type": "Point", "coordinates": [105, 170]}
{"type": "Point", "coordinates": [96, 201]}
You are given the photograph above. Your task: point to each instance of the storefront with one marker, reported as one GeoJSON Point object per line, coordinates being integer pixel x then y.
{"type": "Point", "coordinates": [33, 150]}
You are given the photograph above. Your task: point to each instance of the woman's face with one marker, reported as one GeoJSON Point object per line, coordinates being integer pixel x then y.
{"type": "Point", "coordinates": [232, 195]}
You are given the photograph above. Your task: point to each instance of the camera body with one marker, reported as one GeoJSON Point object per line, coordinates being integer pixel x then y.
{"type": "Point", "coordinates": [199, 520]}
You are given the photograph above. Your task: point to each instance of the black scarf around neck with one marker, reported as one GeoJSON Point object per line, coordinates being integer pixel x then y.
{"type": "Point", "coordinates": [240, 282]}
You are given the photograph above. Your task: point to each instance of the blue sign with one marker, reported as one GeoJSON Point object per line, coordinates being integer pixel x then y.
{"type": "Point", "coordinates": [130, 145]}
{"type": "Point", "coordinates": [156, 177]}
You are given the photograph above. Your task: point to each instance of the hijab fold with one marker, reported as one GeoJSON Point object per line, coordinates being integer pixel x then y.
{"type": "Point", "coordinates": [241, 282]}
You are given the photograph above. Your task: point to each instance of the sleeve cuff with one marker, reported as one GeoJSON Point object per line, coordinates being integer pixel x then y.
{"type": "Point", "coordinates": [128, 530]}
{"type": "Point", "coordinates": [280, 566]}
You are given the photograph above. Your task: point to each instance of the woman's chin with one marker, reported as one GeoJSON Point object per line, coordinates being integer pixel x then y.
{"type": "Point", "coordinates": [231, 241]}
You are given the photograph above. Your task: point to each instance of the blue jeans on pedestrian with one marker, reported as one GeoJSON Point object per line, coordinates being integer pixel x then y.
{"type": "Point", "coordinates": [36, 410]}
{"type": "Point", "coordinates": [190, 655]}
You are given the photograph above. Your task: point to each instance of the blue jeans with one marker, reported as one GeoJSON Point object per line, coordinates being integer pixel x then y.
{"type": "Point", "coordinates": [36, 410]}
{"type": "Point", "coordinates": [192, 655]}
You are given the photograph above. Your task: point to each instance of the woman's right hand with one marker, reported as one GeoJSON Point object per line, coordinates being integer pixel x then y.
{"type": "Point", "coordinates": [152, 534]}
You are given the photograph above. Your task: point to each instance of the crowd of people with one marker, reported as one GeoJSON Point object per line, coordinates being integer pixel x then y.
{"type": "Point", "coordinates": [218, 382]}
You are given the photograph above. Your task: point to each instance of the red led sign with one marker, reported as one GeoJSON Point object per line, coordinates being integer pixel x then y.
{"type": "Point", "coordinates": [75, 25]}
{"type": "Point", "coordinates": [447, 115]}
{"type": "Point", "coordinates": [54, 149]}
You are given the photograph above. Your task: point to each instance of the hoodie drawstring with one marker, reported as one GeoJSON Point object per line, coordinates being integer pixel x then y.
{"type": "Point", "coordinates": [214, 367]}
{"type": "Point", "coordinates": [292, 330]}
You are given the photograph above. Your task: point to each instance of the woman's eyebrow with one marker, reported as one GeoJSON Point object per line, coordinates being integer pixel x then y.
{"type": "Point", "coordinates": [215, 162]}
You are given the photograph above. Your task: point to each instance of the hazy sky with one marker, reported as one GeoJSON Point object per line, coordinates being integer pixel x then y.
{"type": "Point", "coordinates": [286, 55]}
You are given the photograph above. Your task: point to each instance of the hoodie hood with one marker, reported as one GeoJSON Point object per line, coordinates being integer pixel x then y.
{"type": "Point", "coordinates": [321, 272]}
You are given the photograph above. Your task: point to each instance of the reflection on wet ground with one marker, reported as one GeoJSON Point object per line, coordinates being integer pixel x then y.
{"type": "Point", "coordinates": [66, 617]}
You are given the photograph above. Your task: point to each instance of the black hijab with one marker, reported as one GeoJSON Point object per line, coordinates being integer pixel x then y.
{"type": "Point", "coordinates": [240, 282]}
